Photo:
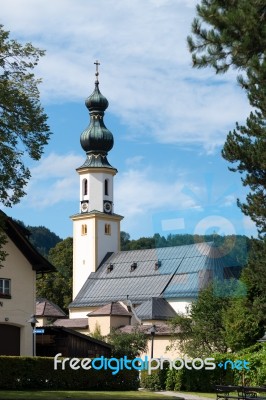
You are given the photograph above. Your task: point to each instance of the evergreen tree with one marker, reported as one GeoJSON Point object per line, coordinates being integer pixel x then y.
{"type": "Point", "coordinates": [254, 277]}
{"type": "Point", "coordinates": [233, 34]}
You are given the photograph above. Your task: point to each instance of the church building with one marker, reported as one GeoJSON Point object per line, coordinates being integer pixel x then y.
{"type": "Point", "coordinates": [113, 288]}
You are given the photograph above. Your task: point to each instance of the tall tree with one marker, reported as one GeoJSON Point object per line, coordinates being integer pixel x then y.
{"type": "Point", "coordinates": [23, 128]}
{"type": "Point", "coordinates": [233, 34]}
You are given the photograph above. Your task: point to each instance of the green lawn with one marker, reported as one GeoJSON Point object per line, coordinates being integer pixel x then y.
{"type": "Point", "coordinates": [56, 395]}
{"type": "Point", "coordinates": [209, 395]}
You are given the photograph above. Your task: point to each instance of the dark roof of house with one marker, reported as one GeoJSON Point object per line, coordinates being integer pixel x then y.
{"type": "Point", "coordinates": [180, 272]}
{"type": "Point", "coordinates": [72, 332]}
{"type": "Point", "coordinates": [155, 308]}
{"type": "Point", "coordinates": [46, 308]}
{"type": "Point", "coordinates": [74, 323]}
{"type": "Point", "coordinates": [113, 308]}
{"type": "Point", "coordinates": [160, 329]}
{"type": "Point", "coordinates": [19, 236]}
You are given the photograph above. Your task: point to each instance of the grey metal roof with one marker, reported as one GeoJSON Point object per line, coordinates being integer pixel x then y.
{"type": "Point", "coordinates": [155, 308]}
{"type": "Point", "coordinates": [183, 270]}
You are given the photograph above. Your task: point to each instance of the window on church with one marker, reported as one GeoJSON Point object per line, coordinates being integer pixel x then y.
{"type": "Point", "coordinates": [85, 187]}
{"type": "Point", "coordinates": [107, 229]}
{"type": "Point", "coordinates": [84, 229]}
{"type": "Point", "coordinates": [106, 188]}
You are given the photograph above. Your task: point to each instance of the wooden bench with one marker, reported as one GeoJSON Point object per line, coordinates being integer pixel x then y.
{"type": "Point", "coordinates": [240, 392]}
{"type": "Point", "coordinates": [228, 392]}
{"type": "Point", "coordinates": [251, 392]}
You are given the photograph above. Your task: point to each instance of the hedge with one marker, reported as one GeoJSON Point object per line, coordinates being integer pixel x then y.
{"type": "Point", "coordinates": [204, 380]}
{"type": "Point", "coordinates": [200, 380]}
{"type": "Point", "coordinates": [19, 373]}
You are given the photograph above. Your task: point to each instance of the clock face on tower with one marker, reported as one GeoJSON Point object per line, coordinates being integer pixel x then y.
{"type": "Point", "coordinates": [84, 206]}
{"type": "Point", "coordinates": [107, 207]}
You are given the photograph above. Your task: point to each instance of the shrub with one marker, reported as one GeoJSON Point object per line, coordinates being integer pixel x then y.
{"type": "Point", "coordinates": [17, 373]}
{"type": "Point", "coordinates": [156, 380]}
{"type": "Point", "coordinates": [174, 380]}
{"type": "Point", "coordinates": [204, 380]}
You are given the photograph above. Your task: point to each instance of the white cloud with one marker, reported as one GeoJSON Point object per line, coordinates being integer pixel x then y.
{"type": "Point", "coordinates": [53, 180]}
{"type": "Point", "coordinates": [250, 227]}
{"type": "Point", "coordinates": [134, 161]}
{"type": "Point", "coordinates": [146, 68]}
{"type": "Point", "coordinates": [229, 200]}
{"type": "Point", "coordinates": [139, 192]}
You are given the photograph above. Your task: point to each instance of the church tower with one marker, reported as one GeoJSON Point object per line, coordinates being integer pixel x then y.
{"type": "Point", "coordinates": [96, 228]}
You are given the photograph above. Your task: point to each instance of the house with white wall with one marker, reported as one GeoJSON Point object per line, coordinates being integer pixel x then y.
{"type": "Point", "coordinates": [18, 275]}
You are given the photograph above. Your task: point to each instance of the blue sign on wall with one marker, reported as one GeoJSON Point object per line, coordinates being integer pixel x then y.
{"type": "Point", "coordinates": [38, 330]}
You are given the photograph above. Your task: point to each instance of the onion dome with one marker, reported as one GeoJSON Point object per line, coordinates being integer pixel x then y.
{"type": "Point", "coordinates": [96, 139]}
{"type": "Point", "coordinates": [96, 101]}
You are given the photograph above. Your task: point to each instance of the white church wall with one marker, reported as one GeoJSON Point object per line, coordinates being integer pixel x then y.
{"type": "Point", "coordinates": [84, 252]}
{"type": "Point", "coordinates": [180, 306]}
{"type": "Point", "coordinates": [107, 242]}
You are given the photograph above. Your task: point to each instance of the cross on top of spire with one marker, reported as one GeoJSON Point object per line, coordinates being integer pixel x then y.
{"type": "Point", "coordinates": [97, 70]}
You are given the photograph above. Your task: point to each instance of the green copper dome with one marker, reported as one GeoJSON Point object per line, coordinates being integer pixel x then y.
{"type": "Point", "coordinates": [96, 137]}
{"type": "Point", "coordinates": [96, 101]}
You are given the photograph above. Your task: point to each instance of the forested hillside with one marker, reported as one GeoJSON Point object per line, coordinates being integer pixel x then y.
{"type": "Point", "coordinates": [41, 238]}
{"type": "Point", "coordinates": [235, 246]}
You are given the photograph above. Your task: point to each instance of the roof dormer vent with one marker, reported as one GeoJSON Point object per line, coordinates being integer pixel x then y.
{"type": "Point", "coordinates": [157, 264]}
{"type": "Point", "coordinates": [133, 266]}
{"type": "Point", "coordinates": [110, 268]}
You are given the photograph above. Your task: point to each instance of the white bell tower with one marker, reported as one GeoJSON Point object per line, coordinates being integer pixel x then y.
{"type": "Point", "coordinates": [96, 228]}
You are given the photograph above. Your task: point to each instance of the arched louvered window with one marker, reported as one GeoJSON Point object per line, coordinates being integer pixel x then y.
{"type": "Point", "coordinates": [85, 187]}
{"type": "Point", "coordinates": [106, 187]}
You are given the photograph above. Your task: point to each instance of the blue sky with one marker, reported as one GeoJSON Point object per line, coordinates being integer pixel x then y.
{"type": "Point", "coordinates": [169, 121]}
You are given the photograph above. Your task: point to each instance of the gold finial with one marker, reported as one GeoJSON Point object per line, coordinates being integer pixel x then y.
{"type": "Point", "coordinates": [97, 70]}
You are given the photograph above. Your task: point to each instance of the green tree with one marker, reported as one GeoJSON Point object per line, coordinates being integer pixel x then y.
{"type": "Point", "coordinates": [23, 128]}
{"type": "Point", "coordinates": [201, 331]}
{"type": "Point", "coordinates": [127, 344]}
{"type": "Point", "coordinates": [233, 34]}
{"type": "Point", "coordinates": [254, 277]}
{"type": "Point", "coordinates": [57, 286]}
{"type": "Point", "coordinates": [124, 240]}
{"type": "Point", "coordinates": [241, 324]}
{"type": "Point", "coordinates": [142, 243]}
